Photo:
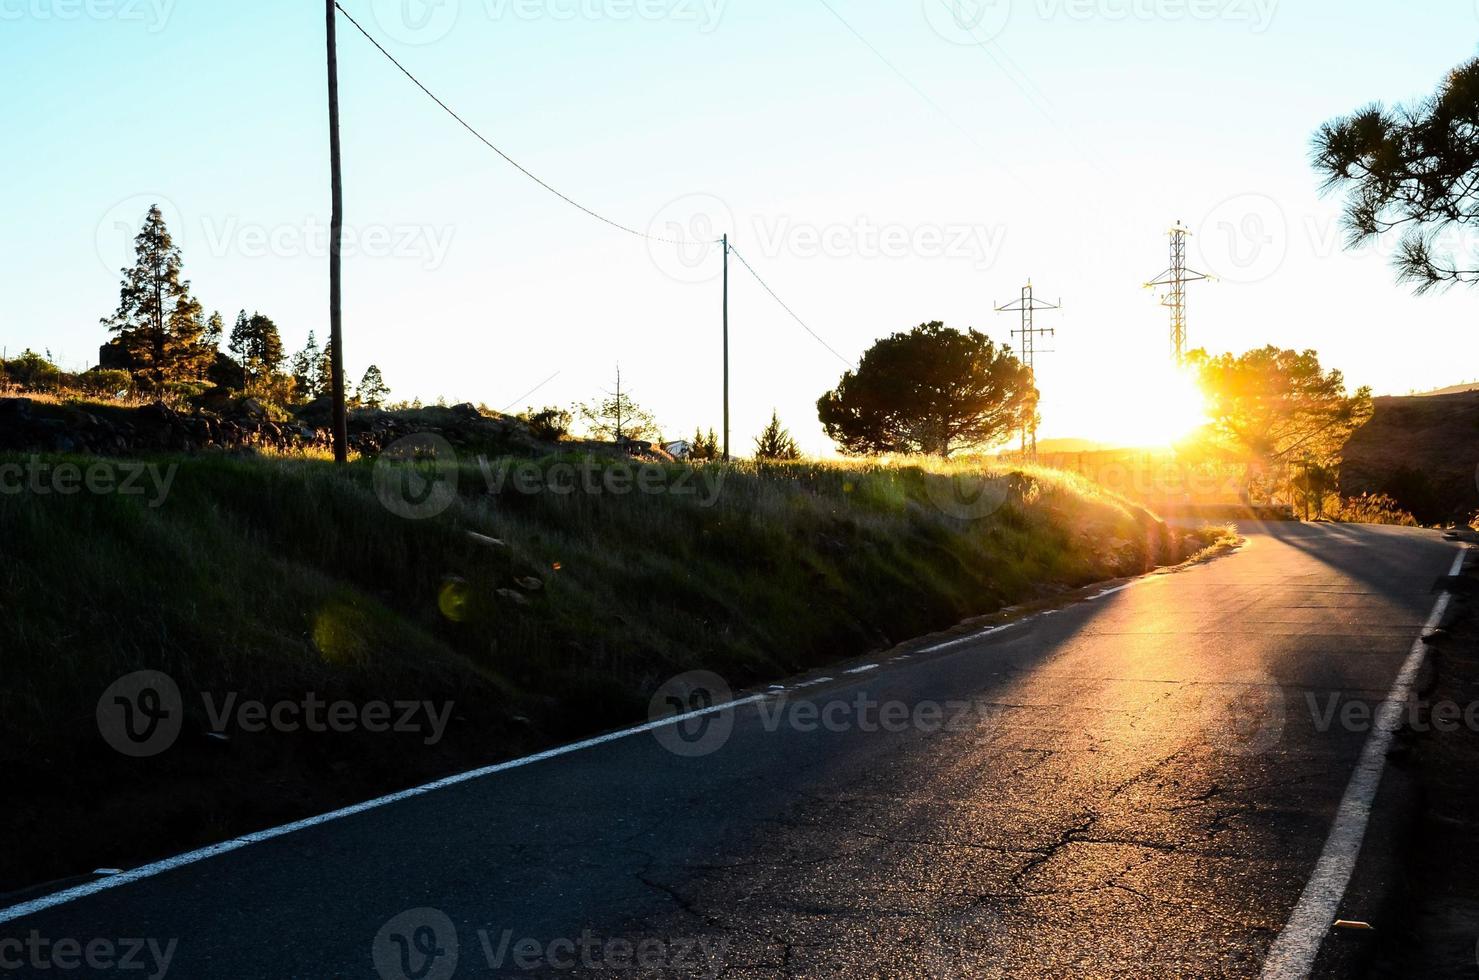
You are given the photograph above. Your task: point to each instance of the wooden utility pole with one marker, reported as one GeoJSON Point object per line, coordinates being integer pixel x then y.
{"type": "Point", "coordinates": [726, 347]}
{"type": "Point", "coordinates": [336, 234]}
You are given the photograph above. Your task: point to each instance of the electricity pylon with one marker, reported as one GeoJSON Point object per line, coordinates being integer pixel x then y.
{"type": "Point", "coordinates": [1029, 332]}
{"type": "Point", "coordinates": [1177, 277]}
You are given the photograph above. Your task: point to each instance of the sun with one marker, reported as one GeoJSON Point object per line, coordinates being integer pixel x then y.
{"type": "Point", "coordinates": [1162, 407]}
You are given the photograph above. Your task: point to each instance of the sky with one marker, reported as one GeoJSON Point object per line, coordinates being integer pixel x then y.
{"type": "Point", "coordinates": [879, 164]}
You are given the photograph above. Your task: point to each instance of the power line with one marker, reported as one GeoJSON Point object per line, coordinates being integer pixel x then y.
{"type": "Point", "coordinates": [815, 336]}
{"type": "Point", "coordinates": [488, 143]}
{"type": "Point", "coordinates": [599, 217]}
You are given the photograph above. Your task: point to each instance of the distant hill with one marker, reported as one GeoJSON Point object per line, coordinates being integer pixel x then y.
{"type": "Point", "coordinates": [1423, 450]}
{"type": "Point", "coordinates": [1450, 390]}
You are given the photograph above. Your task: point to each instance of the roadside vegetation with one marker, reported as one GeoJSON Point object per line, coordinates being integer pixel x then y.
{"type": "Point", "coordinates": [540, 615]}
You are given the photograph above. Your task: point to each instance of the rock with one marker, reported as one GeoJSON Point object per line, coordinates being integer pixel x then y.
{"type": "Point", "coordinates": [529, 583]}
{"type": "Point", "coordinates": [466, 410]}
{"type": "Point", "coordinates": [517, 598]}
{"type": "Point", "coordinates": [252, 409]}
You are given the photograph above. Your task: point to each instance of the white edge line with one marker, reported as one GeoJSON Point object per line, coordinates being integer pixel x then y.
{"type": "Point", "coordinates": [971, 638]}
{"type": "Point", "coordinates": [861, 670]}
{"type": "Point", "coordinates": [225, 847]}
{"type": "Point", "coordinates": [1293, 953]}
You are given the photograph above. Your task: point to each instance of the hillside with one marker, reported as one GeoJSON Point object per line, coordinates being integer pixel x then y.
{"type": "Point", "coordinates": [528, 613]}
{"type": "Point", "coordinates": [1422, 450]}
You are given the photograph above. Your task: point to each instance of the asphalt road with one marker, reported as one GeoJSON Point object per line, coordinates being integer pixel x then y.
{"type": "Point", "coordinates": [1135, 785]}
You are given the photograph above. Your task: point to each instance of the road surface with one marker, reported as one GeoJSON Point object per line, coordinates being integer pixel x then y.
{"type": "Point", "coordinates": [1136, 785]}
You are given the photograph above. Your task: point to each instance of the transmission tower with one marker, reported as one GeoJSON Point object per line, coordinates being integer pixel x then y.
{"type": "Point", "coordinates": [1176, 279]}
{"type": "Point", "coordinates": [1027, 305]}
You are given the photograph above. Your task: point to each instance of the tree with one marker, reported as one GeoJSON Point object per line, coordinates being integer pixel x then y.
{"type": "Point", "coordinates": [159, 324]}
{"type": "Point", "coordinates": [1276, 410]}
{"type": "Point", "coordinates": [617, 418]}
{"type": "Point", "coordinates": [932, 390]}
{"type": "Point", "coordinates": [1413, 168]}
{"type": "Point", "coordinates": [326, 372]}
{"type": "Point", "coordinates": [703, 448]}
{"type": "Point", "coordinates": [307, 368]}
{"type": "Point", "coordinates": [775, 443]}
{"type": "Point", "coordinates": [372, 390]}
{"type": "Point", "coordinates": [257, 345]}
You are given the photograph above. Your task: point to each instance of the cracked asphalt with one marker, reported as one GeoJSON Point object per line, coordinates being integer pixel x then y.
{"type": "Point", "coordinates": [1136, 785]}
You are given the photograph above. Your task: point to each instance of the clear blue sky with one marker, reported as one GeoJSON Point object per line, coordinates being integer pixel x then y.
{"type": "Point", "coordinates": [871, 197]}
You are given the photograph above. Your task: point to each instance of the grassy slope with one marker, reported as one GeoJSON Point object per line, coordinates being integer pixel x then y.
{"type": "Point", "coordinates": [274, 578]}
{"type": "Point", "coordinates": [1420, 450]}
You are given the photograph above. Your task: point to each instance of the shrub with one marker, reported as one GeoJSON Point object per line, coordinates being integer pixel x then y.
{"type": "Point", "coordinates": [1373, 508]}
{"type": "Point", "coordinates": [105, 382]}
{"type": "Point", "coordinates": [550, 424]}
{"type": "Point", "coordinates": [31, 370]}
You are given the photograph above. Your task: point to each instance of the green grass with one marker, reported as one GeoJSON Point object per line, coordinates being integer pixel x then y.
{"type": "Point", "coordinates": [278, 577]}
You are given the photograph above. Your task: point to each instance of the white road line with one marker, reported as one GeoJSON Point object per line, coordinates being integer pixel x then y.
{"type": "Point", "coordinates": [861, 670]}
{"type": "Point", "coordinates": [971, 638]}
{"type": "Point", "coordinates": [1293, 953]}
{"type": "Point", "coordinates": [225, 847]}
{"type": "Point", "coordinates": [813, 682]}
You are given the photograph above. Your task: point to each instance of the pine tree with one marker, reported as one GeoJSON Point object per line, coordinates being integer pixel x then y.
{"type": "Point", "coordinates": [161, 326]}
{"type": "Point", "coordinates": [307, 369]}
{"type": "Point", "coordinates": [618, 418]}
{"type": "Point", "coordinates": [326, 371]}
{"type": "Point", "coordinates": [257, 345]}
{"type": "Point", "coordinates": [372, 390]}
{"type": "Point", "coordinates": [775, 443]}
{"type": "Point", "coordinates": [703, 448]}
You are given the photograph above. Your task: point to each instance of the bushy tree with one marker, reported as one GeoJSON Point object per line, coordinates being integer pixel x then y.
{"type": "Point", "coordinates": [932, 390]}
{"type": "Point", "coordinates": [161, 326]}
{"type": "Point", "coordinates": [372, 390]}
{"type": "Point", "coordinates": [1278, 411]}
{"type": "Point", "coordinates": [775, 442]}
{"type": "Point", "coordinates": [616, 417]}
{"type": "Point", "coordinates": [1414, 169]}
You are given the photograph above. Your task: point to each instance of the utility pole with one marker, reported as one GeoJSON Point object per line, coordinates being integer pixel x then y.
{"type": "Point", "coordinates": [1027, 305]}
{"type": "Point", "coordinates": [726, 347]}
{"type": "Point", "coordinates": [1176, 278]}
{"type": "Point", "coordinates": [336, 234]}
